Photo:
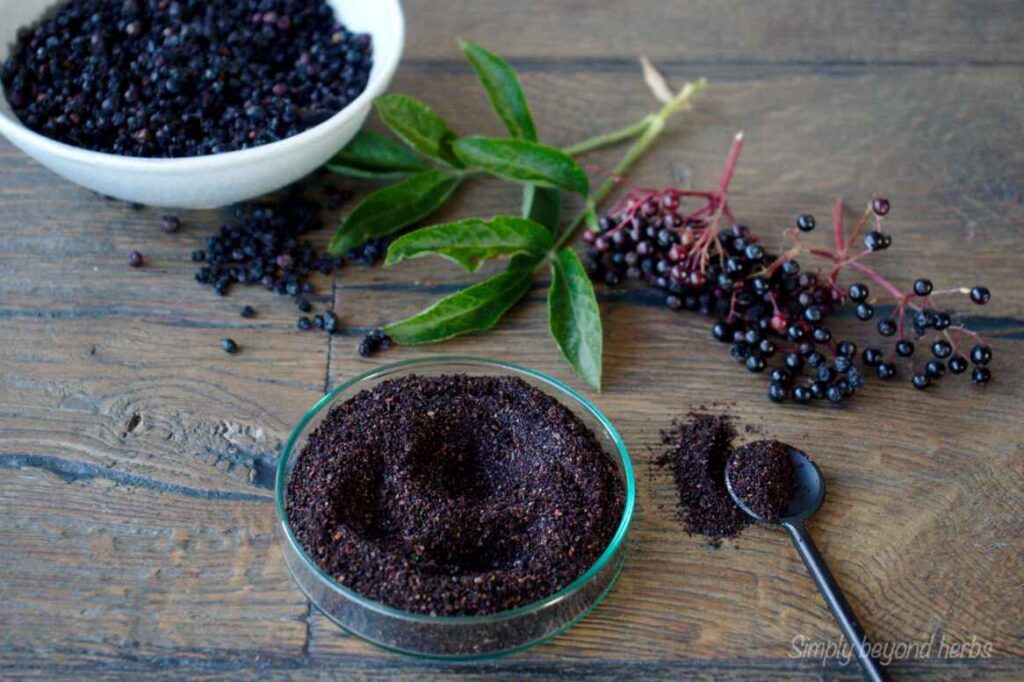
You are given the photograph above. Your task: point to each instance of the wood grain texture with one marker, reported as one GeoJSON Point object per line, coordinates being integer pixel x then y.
{"type": "Point", "coordinates": [135, 508]}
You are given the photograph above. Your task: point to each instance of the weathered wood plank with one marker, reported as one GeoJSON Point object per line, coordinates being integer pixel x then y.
{"type": "Point", "coordinates": [871, 31]}
{"type": "Point", "coordinates": [136, 532]}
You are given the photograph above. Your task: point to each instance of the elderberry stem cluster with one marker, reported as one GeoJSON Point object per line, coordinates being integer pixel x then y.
{"type": "Point", "coordinates": [773, 315]}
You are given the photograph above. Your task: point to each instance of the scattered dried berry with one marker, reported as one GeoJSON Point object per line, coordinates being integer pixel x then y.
{"type": "Point", "coordinates": [170, 224]}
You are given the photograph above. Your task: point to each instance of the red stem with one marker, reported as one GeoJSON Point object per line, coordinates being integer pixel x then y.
{"type": "Point", "coordinates": [730, 163]}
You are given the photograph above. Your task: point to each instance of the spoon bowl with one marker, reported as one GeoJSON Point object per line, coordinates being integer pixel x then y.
{"type": "Point", "coordinates": [808, 493]}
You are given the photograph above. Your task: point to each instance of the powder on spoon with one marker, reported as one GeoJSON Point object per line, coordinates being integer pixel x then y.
{"type": "Point", "coordinates": [762, 475]}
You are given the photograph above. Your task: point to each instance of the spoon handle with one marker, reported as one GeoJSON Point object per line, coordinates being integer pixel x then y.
{"type": "Point", "coordinates": [837, 603]}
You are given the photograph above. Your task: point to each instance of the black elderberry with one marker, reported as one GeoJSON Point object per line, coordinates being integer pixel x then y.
{"type": "Point", "coordinates": [924, 319]}
{"type": "Point", "coordinates": [135, 259]}
{"type": "Point", "coordinates": [722, 331]}
{"type": "Point", "coordinates": [801, 395]}
{"type": "Point", "coordinates": [755, 363]}
{"type": "Point", "coordinates": [886, 370]}
{"type": "Point", "coordinates": [843, 364]}
{"type": "Point", "coordinates": [248, 312]}
{"type": "Point", "coordinates": [872, 357]}
{"type": "Point", "coordinates": [795, 333]}
{"type": "Point", "coordinates": [777, 392]}
{"type": "Point", "coordinates": [880, 205]}
{"type": "Point", "coordinates": [779, 375]}
{"type": "Point", "coordinates": [318, 321]}
{"type": "Point", "coordinates": [794, 362]}
{"type": "Point", "coordinates": [904, 348]}
{"type": "Point", "coordinates": [981, 375]}
{"type": "Point", "coordinates": [834, 394]}
{"type": "Point", "coordinates": [766, 348]}
{"type": "Point", "coordinates": [304, 305]}
{"type": "Point", "coordinates": [805, 222]}
{"type": "Point", "coordinates": [921, 381]}
{"type": "Point", "coordinates": [304, 323]}
{"type": "Point", "coordinates": [846, 348]}
{"type": "Point", "coordinates": [877, 241]}
{"type": "Point", "coordinates": [818, 389]}
{"type": "Point", "coordinates": [958, 364]}
{"type": "Point", "coordinates": [813, 314]}
{"type": "Point", "coordinates": [981, 354]}
{"type": "Point", "coordinates": [754, 252]}
{"type": "Point", "coordinates": [330, 322]}
{"type": "Point", "coordinates": [942, 321]}
{"type": "Point", "coordinates": [790, 268]}
{"type": "Point", "coordinates": [864, 311]}
{"type": "Point", "coordinates": [822, 335]}
{"type": "Point", "coordinates": [170, 224]}
{"type": "Point", "coordinates": [887, 327]}
{"type": "Point", "coordinates": [981, 295]}
{"type": "Point", "coordinates": [229, 346]}
{"type": "Point", "coordinates": [858, 292]}
{"type": "Point", "coordinates": [935, 369]}
{"type": "Point", "coordinates": [827, 374]}
{"type": "Point", "coordinates": [922, 287]}
{"type": "Point", "coordinates": [942, 349]}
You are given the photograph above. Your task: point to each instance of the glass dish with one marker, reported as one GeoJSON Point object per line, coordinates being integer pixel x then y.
{"type": "Point", "coordinates": [456, 637]}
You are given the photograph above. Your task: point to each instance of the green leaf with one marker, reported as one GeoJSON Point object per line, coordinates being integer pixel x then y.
{"type": "Point", "coordinates": [574, 316]}
{"type": "Point", "coordinates": [474, 309]}
{"type": "Point", "coordinates": [522, 161]}
{"type": "Point", "coordinates": [371, 151]}
{"type": "Point", "coordinates": [470, 242]}
{"type": "Point", "coordinates": [366, 173]}
{"type": "Point", "coordinates": [503, 89]}
{"type": "Point", "coordinates": [418, 126]}
{"type": "Point", "coordinates": [390, 209]}
{"type": "Point", "coordinates": [543, 205]}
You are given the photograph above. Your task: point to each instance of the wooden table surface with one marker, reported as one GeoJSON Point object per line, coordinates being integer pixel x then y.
{"type": "Point", "coordinates": [135, 507]}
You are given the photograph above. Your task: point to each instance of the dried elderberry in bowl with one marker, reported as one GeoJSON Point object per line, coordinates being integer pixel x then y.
{"type": "Point", "coordinates": [454, 507]}
{"type": "Point", "coordinates": [190, 104]}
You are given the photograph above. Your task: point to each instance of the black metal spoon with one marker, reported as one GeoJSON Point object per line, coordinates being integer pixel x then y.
{"type": "Point", "coordinates": [807, 499]}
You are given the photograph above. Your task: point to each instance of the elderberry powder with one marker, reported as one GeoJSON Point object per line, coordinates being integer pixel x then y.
{"type": "Point", "coordinates": [699, 450]}
{"type": "Point", "coordinates": [180, 78]}
{"type": "Point", "coordinates": [454, 494]}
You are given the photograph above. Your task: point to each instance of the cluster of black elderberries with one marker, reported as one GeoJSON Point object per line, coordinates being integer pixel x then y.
{"type": "Point", "coordinates": [773, 314]}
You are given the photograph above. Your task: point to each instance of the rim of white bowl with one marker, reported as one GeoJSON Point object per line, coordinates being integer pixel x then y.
{"type": "Point", "coordinates": [12, 127]}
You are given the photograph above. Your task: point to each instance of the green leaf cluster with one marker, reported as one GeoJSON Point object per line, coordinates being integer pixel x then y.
{"type": "Point", "coordinates": [427, 168]}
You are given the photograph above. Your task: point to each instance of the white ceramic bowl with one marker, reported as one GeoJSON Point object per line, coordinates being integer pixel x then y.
{"type": "Point", "coordinates": [218, 179]}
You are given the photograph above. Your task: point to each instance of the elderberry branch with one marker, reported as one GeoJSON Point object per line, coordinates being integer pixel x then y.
{"type": "Point", "coordinates": [655, 125]}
